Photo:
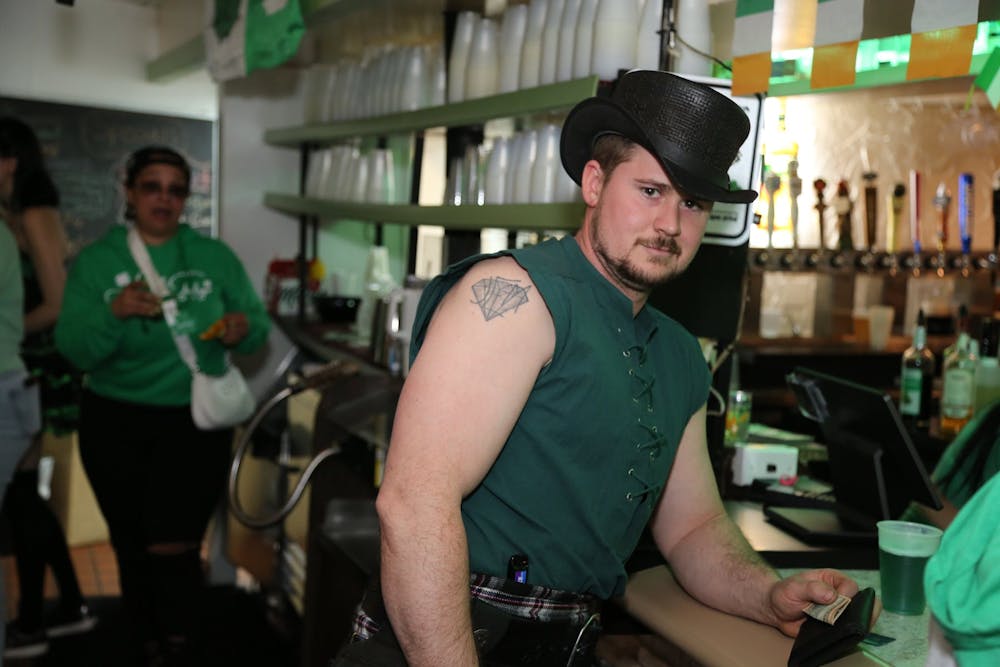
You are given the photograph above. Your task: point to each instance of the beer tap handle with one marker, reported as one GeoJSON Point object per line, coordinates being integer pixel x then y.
{"type": "Point", "coordinates": [819, 185]}
{"type": "Point", "coordinates": [843, 205]}
{"type": "Point", "coordinates": [794, 190]}
{"type": "Point", "coordinates": [771, 184]}
{"type": "Point", "coordinates": [966, 210]}
{"type": "Point", "coordinates": [871, 208]}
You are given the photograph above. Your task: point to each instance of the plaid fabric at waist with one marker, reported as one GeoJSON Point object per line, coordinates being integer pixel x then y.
{"type": "Point", "coordinates": [535, 603]}
{"type": "Point", "coordinates": [525, 601]}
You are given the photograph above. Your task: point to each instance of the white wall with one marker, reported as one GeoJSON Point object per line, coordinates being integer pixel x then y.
{"type": "Point", "coordinates": [248, 167]}
{"type": "Point", "coordinates": [93, 53]}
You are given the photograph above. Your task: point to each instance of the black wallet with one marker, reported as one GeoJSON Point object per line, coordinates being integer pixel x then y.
{"type": "Point", "coordinates": [819, 643]}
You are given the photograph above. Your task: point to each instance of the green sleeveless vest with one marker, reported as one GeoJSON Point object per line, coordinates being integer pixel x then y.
{"type": "Point", "coordinates": [583, 468]}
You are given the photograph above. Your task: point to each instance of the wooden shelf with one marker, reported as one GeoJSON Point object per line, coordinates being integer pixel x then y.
{"type": "Point", "coordinates": [551, 97]}
{"type": "Point", "coordinates": [538, 217]}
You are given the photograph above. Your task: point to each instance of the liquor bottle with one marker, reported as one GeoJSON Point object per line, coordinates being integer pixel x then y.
{"type": "Point", "coordinates": [962, 326]}
{"type": "Point", "coordinates": [988, 370]}
{"type": "Point", "coordinates": [917, 379]}
{"type": "Point", "coordinates": [958, 375]}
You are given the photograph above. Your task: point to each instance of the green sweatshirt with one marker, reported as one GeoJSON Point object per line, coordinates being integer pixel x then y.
{"type": "Point", "coordinates": [962, 580]}
{"type": "Point", "coordinates": [135, 359]}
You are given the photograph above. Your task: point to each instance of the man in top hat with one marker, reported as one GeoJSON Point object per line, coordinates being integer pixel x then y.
{"type": "Point", "coordinates": [550, 414]}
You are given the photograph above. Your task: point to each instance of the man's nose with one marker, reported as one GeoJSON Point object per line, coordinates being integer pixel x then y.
{"type": "Point", "coordinates": [668, 219]}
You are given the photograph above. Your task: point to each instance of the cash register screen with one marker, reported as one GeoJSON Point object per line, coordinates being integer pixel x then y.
{"type": "Point", "coordinates": [874, 466]}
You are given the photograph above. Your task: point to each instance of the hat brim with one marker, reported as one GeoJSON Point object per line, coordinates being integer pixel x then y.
{"type": "Point", "coordinates": [597, 116]}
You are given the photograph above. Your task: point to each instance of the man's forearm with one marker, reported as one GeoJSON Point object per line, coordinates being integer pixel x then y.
{"type": "Point", "coordinates": [425, 584]}
{"type": "Point", "coordinates": [717, 566]}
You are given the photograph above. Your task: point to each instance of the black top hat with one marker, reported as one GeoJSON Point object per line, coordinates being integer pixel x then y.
{"type": "Point", "coordinates": [694, 131]}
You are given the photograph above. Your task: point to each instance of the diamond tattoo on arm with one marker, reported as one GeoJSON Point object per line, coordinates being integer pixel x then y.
{"type": "Point", "coordinates": [496, 296]}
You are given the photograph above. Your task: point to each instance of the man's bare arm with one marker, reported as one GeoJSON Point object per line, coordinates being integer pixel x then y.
{"type": "Point", "coordinates": [488, 340]}
{"type": "Point", "coordinates": [710, 556]}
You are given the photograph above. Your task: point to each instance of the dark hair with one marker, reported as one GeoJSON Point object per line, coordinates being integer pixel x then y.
{"type": "Point", "coordinates": [610, 150]}
{"type": "Point", "coordinates": [144, 157]}
{"type": "Point", "coordinates": [32, 184]}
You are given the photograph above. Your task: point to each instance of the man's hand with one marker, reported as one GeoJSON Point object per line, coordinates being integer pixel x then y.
{"type": "Point", "coordinates": [789, 597]}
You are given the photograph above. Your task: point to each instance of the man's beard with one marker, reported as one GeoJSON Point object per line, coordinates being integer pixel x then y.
{"type": "Point", "coordinates": [625, 271]}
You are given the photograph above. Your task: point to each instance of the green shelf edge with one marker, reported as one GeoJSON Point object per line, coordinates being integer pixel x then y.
{"type": "Point", "coordinates": [183, 59]}
{"type": "Point", "coordinates": [533, 217]}
{"type": "Point", "coordinates": [549, 97]}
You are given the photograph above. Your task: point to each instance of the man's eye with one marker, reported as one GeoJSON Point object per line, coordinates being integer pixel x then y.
{"type": "Point", "coordinates": [694, 205]}
{"type": "Point", "coordinates": [650, 191]}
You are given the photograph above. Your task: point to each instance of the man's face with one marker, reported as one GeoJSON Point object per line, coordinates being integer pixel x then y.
{"type": "Point", "coordinates": [643, 231]}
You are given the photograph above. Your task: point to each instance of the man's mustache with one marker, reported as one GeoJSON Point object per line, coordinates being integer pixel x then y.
{"type": "Point", "coordinates": [666, 243]}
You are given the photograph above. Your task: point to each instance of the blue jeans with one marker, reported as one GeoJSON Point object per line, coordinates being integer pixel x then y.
{"type": "Point", "coordinates": [20, 419]}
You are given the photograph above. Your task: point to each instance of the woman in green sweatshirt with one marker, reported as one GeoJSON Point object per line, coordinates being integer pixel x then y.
{"type": "Point", "coordinates": [156, 476]}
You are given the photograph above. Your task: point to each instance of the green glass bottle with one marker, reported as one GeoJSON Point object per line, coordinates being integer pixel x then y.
{"type": "Point", "coordinates": [917, 379]}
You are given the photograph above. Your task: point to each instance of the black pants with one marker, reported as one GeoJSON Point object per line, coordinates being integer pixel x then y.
{"type": "Point", "coordinates": [38, 541]}
{"type": "Point", "coordinates": [157, 479]}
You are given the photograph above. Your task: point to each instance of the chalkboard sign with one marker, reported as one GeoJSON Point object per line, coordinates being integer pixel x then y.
{"type": "Point", "coordinates": [86, 148]}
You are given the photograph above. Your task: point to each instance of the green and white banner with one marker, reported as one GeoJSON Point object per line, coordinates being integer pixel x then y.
{"type": "Point", "coordinates": [989, 78]}
{"type": "Point", "coordinates": [246, 35]}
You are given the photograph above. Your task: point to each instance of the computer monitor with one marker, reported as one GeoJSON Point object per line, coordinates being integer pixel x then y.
{"type": "Point", "coordinates": [874, 466]}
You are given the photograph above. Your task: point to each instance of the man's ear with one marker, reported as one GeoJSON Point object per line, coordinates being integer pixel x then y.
{"type": "Point", "coordinates": [591, 182]}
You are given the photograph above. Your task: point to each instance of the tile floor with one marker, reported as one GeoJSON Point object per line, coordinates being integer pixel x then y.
{"type": "Point", "coordinates": [244, 631]}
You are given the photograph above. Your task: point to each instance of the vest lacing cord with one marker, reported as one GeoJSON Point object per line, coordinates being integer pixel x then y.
{"type": "Point", "coordinates": [647, 391]}
{"type": "Point", "coordinates": [639, 351]}
{"type": "Point", "coordinates": [646, 487]}
{"type": "Point", "coordinates": [654, 445]}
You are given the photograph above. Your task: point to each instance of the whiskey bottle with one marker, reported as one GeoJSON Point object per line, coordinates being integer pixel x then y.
{"type": "Point", "coordinates": [917, 379]}
{"type": "Point", "coordinates": [958, 376]}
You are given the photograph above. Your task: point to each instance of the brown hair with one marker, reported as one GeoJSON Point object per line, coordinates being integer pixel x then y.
{"type": "Point", "coordinates": [610, 150]}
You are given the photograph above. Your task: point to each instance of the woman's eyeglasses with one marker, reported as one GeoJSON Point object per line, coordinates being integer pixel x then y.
{"type": "Point", "coordinates": [150, 188]}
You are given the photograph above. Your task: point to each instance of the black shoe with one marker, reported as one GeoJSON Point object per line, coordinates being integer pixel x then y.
{"type": "Point", "coordinates": [22, 644]}
{"type": "Point", "coordinates": [72, 621]}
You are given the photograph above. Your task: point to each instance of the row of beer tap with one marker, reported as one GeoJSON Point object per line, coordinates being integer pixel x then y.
{"type": "Point", "coordinates": [937, 259]}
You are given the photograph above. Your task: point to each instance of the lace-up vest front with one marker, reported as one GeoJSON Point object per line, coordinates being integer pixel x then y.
{"type": "Point", "coordinates": [584, 466]}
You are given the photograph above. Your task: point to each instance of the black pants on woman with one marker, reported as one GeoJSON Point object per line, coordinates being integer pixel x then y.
{"type": "Point", "coordinates": [38, 541]}
{"type": "Point", "coordinates": [157, 479]}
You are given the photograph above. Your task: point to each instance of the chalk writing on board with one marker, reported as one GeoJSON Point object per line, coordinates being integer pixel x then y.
{"type": "Point", "coordinates": [86, 147]}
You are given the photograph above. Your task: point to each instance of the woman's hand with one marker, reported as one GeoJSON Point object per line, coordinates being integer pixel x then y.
{"type": "Point", "coordinates": [136, 300]}
{"type": "Point", "coordinates": [237, 328]}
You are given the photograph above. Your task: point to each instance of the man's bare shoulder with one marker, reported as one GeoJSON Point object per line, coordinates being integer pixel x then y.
{"type": "Point", "coordinates": [495, 305]}
{"type": "Point", "coordinates": [499, 288]}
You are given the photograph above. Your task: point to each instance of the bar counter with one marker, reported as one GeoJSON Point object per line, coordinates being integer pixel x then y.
{"type": "Point", "coordinates": [716, 639]}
